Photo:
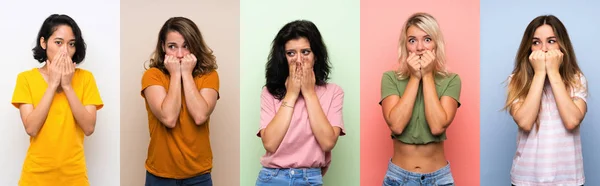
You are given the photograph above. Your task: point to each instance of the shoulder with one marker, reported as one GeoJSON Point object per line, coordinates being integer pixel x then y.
{"type": "Point", "coordinates": [152, 72]}
{"type": "Point", "coordinates": [334, 88]}
{"type": "Point", "coordinates": [210, 75]}
{"type": "Point", "coordinates": [451, 78]}
{"type": "Point", "coordinates": [265, 94]}
{"type": "Point", "coordinates": [28, 73]}
{"type": "Point", "coordinates": [390, 74]}
{"type": "Point", "coordinates": [83, 73]}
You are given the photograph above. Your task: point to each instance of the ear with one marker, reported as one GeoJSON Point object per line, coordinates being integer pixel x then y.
{"type": "Point", "coordinates": [43, 43]}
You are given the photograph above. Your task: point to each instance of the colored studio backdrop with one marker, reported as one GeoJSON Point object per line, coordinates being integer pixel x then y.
{"type": "Point", "coordinates": [338, 23]}
{"type": "Point", "coordinates": [381, 24]}
{"type": "Point", "coordinates": [501, 34]}
{"type": "Point", "coordinates": [139, 40]}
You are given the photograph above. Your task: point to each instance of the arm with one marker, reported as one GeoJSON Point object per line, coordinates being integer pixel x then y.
{"type": "Point", "coordinates": [525, 112]}
{"type": "Point", "coordinates": [85, 116]}
{"type": "Point", "coordinates": [439, 112]}
{"type": "Point", "coordinates": [34, 118]}
{"type": "Point", "coordinates": [571, 111]}
{"type": "Point", "coordinates": [201, 103]}
{"type": "Point", "coordinates": [165, 105]}
{"type": "Point", "coordinates": [397, 111]}
{"type": "Point", "coordinates": [326, 134]}
{"type": "Point", "coordinates": [273, 134]}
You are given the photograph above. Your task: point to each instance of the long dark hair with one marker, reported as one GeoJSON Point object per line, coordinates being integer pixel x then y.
{"type": "Point", "coordinates": [277, 65]}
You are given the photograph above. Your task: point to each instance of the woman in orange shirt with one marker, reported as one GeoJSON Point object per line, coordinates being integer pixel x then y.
{"type": "Point", "coordinates": [58, 104]}
{"type": "Point", "coordinates": [181, 90]}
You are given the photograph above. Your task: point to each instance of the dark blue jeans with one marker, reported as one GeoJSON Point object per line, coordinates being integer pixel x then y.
{"type": "Point", "coordinates": [200, 180]}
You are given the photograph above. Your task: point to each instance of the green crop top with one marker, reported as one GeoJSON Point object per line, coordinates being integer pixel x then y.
{"type": "Point", "coordinates": [417, 131]}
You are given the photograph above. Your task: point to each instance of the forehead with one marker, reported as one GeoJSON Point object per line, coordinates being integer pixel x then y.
{"type": "Point", "coordinates": [297, 43]}
{"type": "Point", "coordinates": [414, 31]}
{"type": "Point", "coordinates": [543, 31]}
{"type": "Point", "coordinates": [174, 37]}
{"type": "Point", "coordinates": [64, 32]}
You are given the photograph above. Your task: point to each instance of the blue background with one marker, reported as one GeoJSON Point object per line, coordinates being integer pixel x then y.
{"type": "Point", "coordinates": [502, 27]}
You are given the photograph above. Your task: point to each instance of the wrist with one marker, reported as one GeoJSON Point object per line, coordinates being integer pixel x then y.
{"type": "Point", "coordinates": [427, 76]}
{"type": "Point", "coordinates": [54, 85]}
{"type": "Point", "coordinates": [554, 74]}
{"type": "Point", "coordinates": [290, 98]}
{"type": "Point", "coordinates": [65, 87]}
{"type": "Point", "coordinates": [175, 74]}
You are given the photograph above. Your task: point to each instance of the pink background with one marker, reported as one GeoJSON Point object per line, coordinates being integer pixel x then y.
{"type": "Point", "coordinates": [381, 22]}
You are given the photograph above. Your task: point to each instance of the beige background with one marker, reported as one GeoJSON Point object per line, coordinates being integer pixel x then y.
{"type": "Point", "coordinates": [218, 21]}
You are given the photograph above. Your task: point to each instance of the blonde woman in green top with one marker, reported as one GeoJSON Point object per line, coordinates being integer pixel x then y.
{"type": "Point", "coordinates": [419, 101]}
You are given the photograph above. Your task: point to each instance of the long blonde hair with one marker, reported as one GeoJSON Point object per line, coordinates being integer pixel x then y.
{"type": "Point", "coordinates": [429, 25]}
{"type": "Point", "coordinates": [522, 75]}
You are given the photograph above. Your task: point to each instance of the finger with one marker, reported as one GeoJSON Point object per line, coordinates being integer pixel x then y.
{"type": "Point", "coordinates": [193, 57]}
{"type": "Point", "coordinates": [431, 55]}
{"type": "Point", "coordinates": [411, 56]}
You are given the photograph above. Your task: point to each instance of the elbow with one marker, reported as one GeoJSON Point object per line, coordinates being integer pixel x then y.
{"type": "Point", "coordinates": [572, 124]}
{"type": "Point", "coordinates": [438, 127]}
{"type": "Point", "coordinates": [327, 146]}
{"type": "Point", "coordinates": [525, 126]}
{"type": "Point", "coordinates": [436, 131]}
{"type": "Point", "coordinates": [199, 120]}
{"type": "Point", "coordinates": [270, 148]}
{"type": "Point", "coordinates": [31, 132]}
{"type": "Point", "coordinates": [169, 122]}
{"type": "Point", "coordinates": [396, 130]}
{"type": "Point", "coordinates": [89, 131]}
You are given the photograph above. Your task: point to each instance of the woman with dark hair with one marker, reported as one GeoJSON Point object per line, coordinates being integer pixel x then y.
{"type": "Point", "coordinates": [547, 99]}
{"type": "Point", "coordinates": [58, 104]}
{"type": "Point", "coordinates": [181, 91]}
{"type": "Point", "coordinates": [301, 113]}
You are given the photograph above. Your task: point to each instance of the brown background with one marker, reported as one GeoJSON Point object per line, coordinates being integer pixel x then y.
{"type": "Point", "coordinates": [219, 23]}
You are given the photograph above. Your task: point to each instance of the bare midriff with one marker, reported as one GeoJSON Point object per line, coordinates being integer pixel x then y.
{"type": "Point", "coordinates": [424, 158]}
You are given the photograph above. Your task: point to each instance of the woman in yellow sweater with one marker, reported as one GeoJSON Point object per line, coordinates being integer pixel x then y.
{"type": "Point", "coordinates": [58, 104]}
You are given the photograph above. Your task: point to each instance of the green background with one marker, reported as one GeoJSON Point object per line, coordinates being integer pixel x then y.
{"type": "Point", "coordinates": [339, 24]}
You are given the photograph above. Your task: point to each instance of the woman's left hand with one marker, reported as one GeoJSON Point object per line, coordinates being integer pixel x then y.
{"type": "Point", "coordinates": [308, 78]}
{"type": "Point", "coordinates": [554, 59]}
{"type": "Point", "coordinates": [188, 63]}
{"type": "Point", "coordinates": [67, 68]}
{"type": "Point", "coordinates": [427, 62]}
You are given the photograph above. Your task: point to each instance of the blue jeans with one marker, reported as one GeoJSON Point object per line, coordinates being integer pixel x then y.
{"type": "Point", "coordinates": [397, 176]}
{"type": "Point", "coordinates": [289, 177]}
{"type": "Point", "coordinates": [200, 180]}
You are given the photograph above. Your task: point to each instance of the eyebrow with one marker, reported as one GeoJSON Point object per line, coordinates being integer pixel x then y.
{"type": "Point", "coordinates": [173, 42]}
{"type": "Point", "coordinates": [416, 37]}
{"type": "Point", "coordinates": [551, 37]}
{"type": "Point", "coordinates": [299, 49]}
{"type": "Point", "coordinates": [58, 38]}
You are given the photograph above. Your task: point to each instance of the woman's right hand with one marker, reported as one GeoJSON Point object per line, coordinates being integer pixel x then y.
{"type": "Point", "coordinates": [54, 70]}
{"type": "Point", "coordinates": [173, 65]}
{"type": "Point", "coordinates": [414, 65]}
{"type": "Point", "coordinates": [538, 61]}
{"type": "Point", "coordinates": [294, 79]}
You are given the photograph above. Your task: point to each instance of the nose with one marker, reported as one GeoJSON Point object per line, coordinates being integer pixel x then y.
{"type": "Point", "coordinates": [299, 58]}
{"type": "Point", "coordinates": [545, 47]}
{"type": "Point", "coordinates": [179, 53]}
{"type": "Point", "coordinates": [420, 46]}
